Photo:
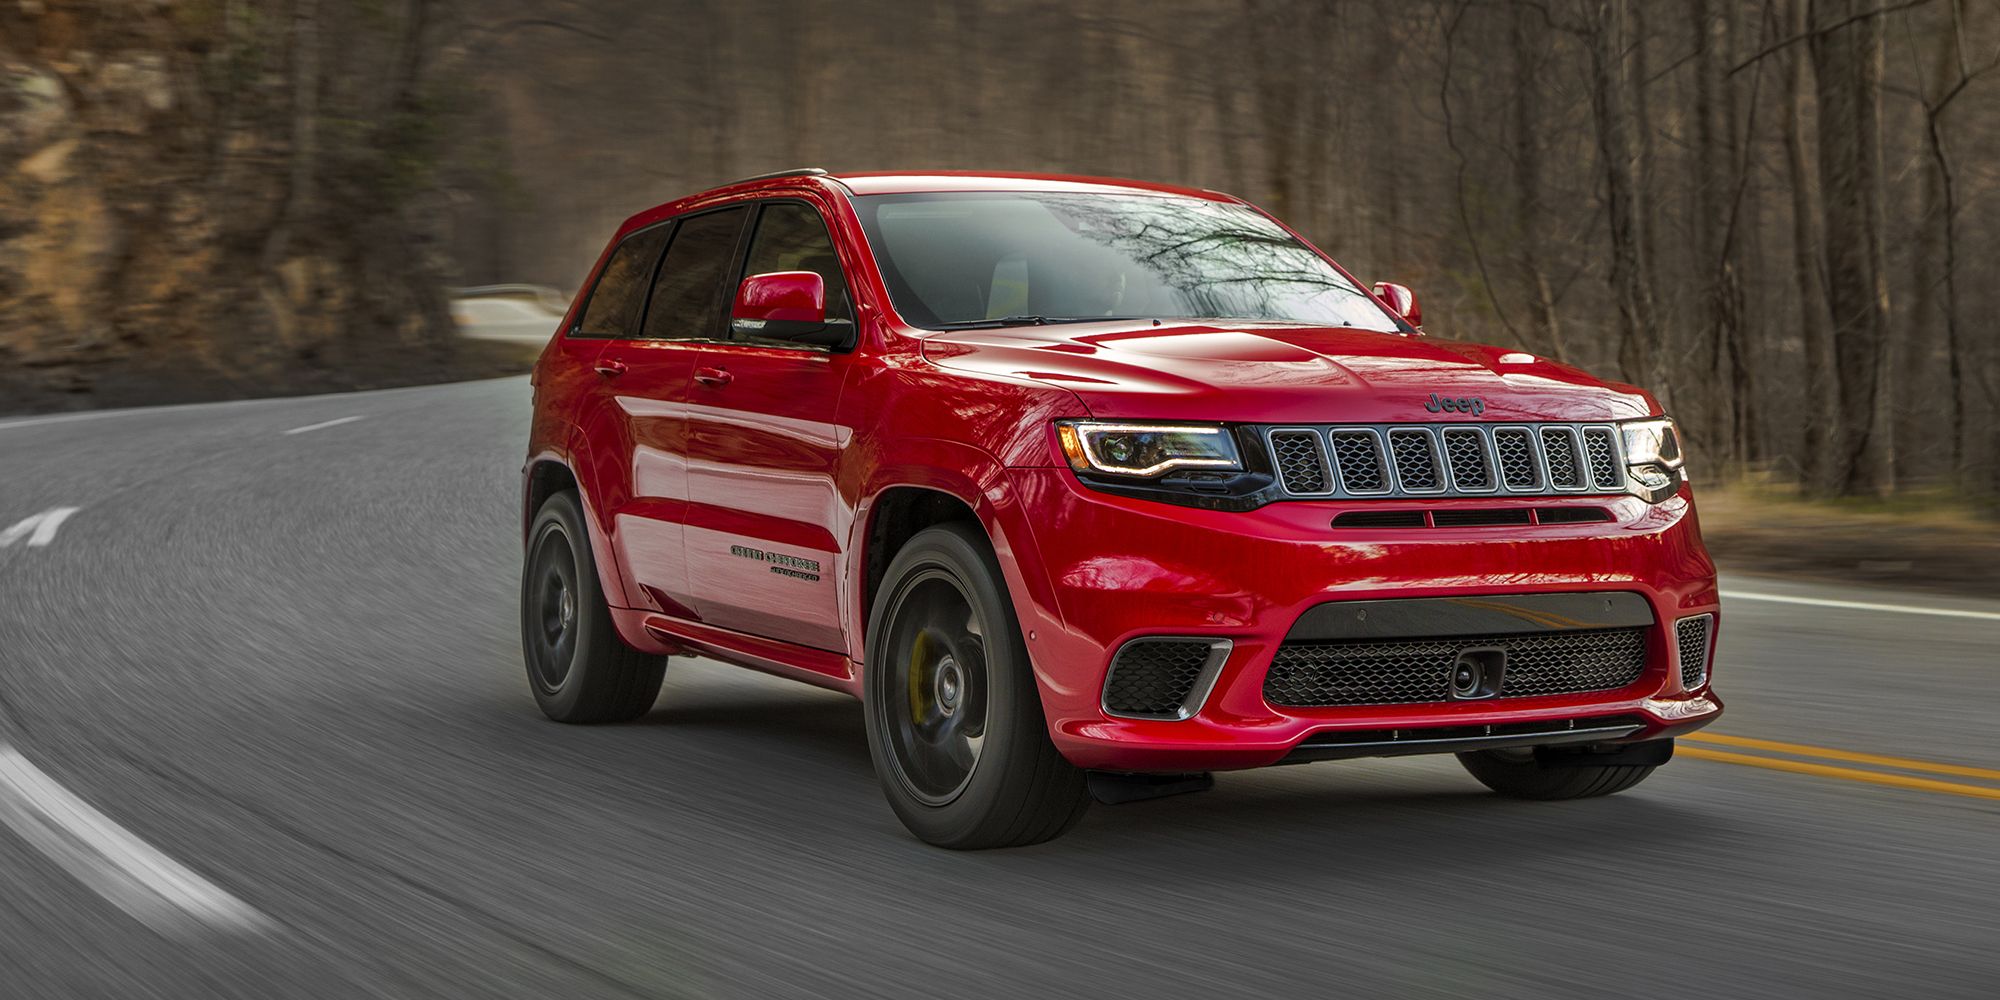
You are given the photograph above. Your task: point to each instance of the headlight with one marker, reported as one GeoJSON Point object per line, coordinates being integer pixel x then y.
{"type": "Point", "coordinates": [1653, 456]}
{"type": "Point", "coordinates": [1146, 450]}
{"type": "Point", "coordinates": [1652, 442]}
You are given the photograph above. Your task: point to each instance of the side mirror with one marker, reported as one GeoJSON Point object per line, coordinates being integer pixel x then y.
{"type": "Point", "coordinates": [781, 305]}
{"type": "Point", "coordinates": [1399, 298]}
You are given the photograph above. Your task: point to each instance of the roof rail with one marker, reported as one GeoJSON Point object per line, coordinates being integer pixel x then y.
{"type": "Point", "coordinates": [794, 172]}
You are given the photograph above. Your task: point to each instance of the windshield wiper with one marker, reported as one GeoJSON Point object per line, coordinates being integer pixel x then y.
{"type": "Point", "coordinates": [982, 324]}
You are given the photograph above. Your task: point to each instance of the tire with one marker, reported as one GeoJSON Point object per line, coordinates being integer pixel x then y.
{"type": "Point", "coordinates": [947, 674]}
{"type": "Point", "coordinates": [578, 667]}
{"type": "Point", "coordinates": [1517, 774]}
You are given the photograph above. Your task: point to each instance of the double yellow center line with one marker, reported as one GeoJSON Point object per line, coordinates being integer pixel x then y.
{"type": "Point", "coordinates": [1705, 751]}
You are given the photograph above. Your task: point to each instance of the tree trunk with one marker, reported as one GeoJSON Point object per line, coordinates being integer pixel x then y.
{"type": "Point", "coordinates": [1848, 65]}
{"type": "Point", "coordinates": [1611, 107]}
{"type": "Point", "coordinates": [1277, 92]}
{"type": "Point", "coordinates": [305, 131]}
{"type": "Point", "coordinates": [1938, 291]}
{"type": "Point", "coordinates": [1528, 42]}
{"type": "Point", "coordinates": [1718, 202]}
{"type": "Point", "coordinates": [1823, 465]}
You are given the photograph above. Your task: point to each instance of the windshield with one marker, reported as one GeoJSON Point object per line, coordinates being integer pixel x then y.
{"type": "Point", "coordinates": [996, 258]}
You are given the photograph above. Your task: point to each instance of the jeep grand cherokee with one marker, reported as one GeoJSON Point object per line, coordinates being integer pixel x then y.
{"type": "Point", "coordinates": [1088, 484]}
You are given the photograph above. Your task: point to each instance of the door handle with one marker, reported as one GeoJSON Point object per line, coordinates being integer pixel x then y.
{"type": "Point", "coordinates": [714, 378]}
{"type": "Point", "coordinates": [610, 368]}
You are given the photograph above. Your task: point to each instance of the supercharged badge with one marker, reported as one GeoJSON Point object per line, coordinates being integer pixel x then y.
{"type": "Point", "coordinates": [781, 564]}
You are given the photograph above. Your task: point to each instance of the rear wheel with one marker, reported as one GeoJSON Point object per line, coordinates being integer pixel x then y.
{"type": "Point", "coordinates": [955, 723]}
{"type": "Point", "coordinates": [578, 667]}
{"type": "Point", "coordinates": [1517, 773]}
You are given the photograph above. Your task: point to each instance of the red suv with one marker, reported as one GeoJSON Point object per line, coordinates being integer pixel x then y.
{"type": "Point", "coordinates": [1096, 486]}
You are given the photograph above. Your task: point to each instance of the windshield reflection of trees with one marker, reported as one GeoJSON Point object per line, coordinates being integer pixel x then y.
{"type": "Point", "coordinates": [1209, 260]}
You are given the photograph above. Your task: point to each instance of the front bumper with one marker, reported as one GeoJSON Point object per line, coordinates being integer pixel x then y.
{"type": "Point", "coordinates": [1106, 569]}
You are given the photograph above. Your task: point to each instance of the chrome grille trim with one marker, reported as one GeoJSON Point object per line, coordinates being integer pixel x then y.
{"type": "Point", "coordinates": [1356, 449]}
{"type": "Point", "coordinates": [1473, 471]}
{"type": "Point", "coordinates": [1562, 459]}
{"type": "Point", "coordinates": [1600, 450]}
{"type": "Point", "coordinates": [1416, 460]}
{"type": "Point", "coordinates": [1297, 479]}
{"type": "Point", "coordinates": [1437, 460]}
{"type": "Point", "coordinates": [1524, 449]}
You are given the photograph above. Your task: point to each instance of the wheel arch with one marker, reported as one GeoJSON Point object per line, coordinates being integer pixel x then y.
{"type": "Point", "coordinates": [943, 482]}
{"type": "Point", "coordinates": [895, 515]}
{"type": "Point", "coordinates": [544, 476]}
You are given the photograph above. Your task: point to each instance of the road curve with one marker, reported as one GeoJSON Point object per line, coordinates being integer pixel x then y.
{"type": "Point", "coordinates": [288, 663]}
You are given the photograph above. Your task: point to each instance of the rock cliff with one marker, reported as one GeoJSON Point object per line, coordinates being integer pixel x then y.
{"type": "Point", "coordinates": [212, 197]}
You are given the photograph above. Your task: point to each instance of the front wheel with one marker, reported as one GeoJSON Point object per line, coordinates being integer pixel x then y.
{"type": "Point", "coordinates": [1518, 774]}
{"type": "Point", "coordinates": [955, 724]}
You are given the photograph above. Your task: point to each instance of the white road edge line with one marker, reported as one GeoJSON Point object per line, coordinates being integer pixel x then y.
{"type": "Point", "coordinates": [40, 529]}
{"type": "Point", "coordinates": [237, 404]}
{"type": "Point", "coordinates": [130, 873]}
{"type": "Point", "coordinates": [323, 424]}
{"type": "Point", "coordinates": [1823, 602]}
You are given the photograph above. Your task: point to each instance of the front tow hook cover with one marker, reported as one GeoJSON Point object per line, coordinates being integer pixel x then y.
{"type": "Point", "coordinates": [1477, 673]}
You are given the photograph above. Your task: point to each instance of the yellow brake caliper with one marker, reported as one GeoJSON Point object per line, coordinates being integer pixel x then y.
{"type": "Point", "coordinates": [916, 677]}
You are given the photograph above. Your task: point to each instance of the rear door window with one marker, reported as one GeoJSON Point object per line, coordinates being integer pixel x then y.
{"type": "Point", "coordinates": [688, 296]}
{"type": "Point", "coordinates": [613, 309]}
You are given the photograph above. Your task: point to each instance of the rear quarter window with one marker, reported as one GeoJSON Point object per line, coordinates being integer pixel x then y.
{"type": "Point", "coordinates": [613, 307]}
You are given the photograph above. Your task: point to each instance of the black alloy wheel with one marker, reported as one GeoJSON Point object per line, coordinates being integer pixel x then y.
{"type": "Point", "coordinates": [579, 669]}
{"type": "Point", "coordinates": [955, 722]}
{"type": "Point", "coordinates": [937, 691]}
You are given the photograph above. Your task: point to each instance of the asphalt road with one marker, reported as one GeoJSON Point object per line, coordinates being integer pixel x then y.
{"type": "Point", "coordinates": [270, 737]}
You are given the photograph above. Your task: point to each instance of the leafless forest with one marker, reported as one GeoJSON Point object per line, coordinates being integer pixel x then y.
{"type": "Point", "coordinates": [1779, 214]}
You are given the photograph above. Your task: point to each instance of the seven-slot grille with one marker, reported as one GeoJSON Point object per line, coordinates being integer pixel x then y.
{"type": "Point", "coordinates": [1406, 460]}
{"type": "Point", "coordinates": [1691, 642]}
{"type": "Point", "coordinates": [1410, 671]}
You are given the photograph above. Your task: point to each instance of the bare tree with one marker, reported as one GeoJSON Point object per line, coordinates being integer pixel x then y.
{"type": "Point", "coordinates": [1718, 205]}
{"type": "Point", "coordinates": [1825, 464]}
{"type": "Point", "coordinates": [1612, 87]}
{"type": "Point", "coordinates": [1848, 70]}
{"type": "Point", "coordinates": [1693, 194]}
{"type": "Point", "coordinates": [1528, 37]}
{"type": "Point", "coordinates": [1954, 74]}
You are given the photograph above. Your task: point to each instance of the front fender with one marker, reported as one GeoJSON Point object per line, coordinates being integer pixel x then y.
{"type": "Point", "coordinates": [979, 481]}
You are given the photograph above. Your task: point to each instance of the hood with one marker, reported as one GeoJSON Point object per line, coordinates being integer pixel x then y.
{"type": "Point", "coordinates": [1278, 373]}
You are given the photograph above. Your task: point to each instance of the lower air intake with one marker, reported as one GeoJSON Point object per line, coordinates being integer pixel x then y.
{"type": "Point", "coordinates": [1691, 642]}
{"type": "Point", "coordinates": [1412, 671]}
{"type": "Point", "coordinates": [1162, 678]}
